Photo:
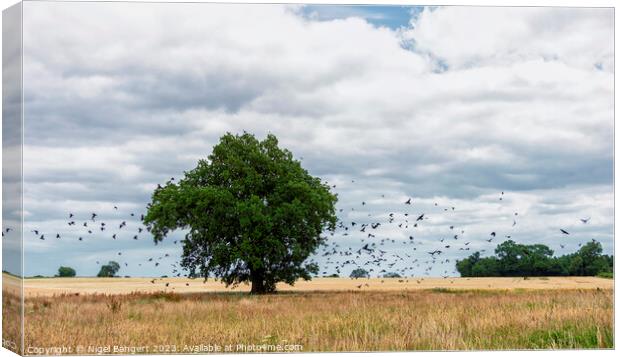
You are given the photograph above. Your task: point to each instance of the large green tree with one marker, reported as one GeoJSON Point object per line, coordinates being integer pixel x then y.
{"type": "Point", "coordinates": [251, 213]}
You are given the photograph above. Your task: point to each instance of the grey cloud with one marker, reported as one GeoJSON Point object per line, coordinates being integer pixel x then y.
{"type": "Point", "coordinates": [118, 111]}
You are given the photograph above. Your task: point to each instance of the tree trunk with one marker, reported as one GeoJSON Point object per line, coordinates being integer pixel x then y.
{"type": "Point", "coordinates": [258, 282]}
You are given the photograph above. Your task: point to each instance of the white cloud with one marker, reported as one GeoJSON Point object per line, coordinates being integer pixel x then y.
{"type": "Point", "coordinates": [140, 92]}
{"type": "Point", "coordinates": [473, 36]}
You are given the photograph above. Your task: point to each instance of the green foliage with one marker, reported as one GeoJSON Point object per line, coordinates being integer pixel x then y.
{"type": "Point", "coordinates": [522, 260]}
{"type": "Point", "coordinates": [487, 267]}
{"type": "Point", "coordinates": [251, 212]}
{"type": "Point", "coordinates": [66, 272]}
{"type": "Point", "coordinates": [606, 274]}
{"type": "Point", "coordinates": [109, 270]}
{"type": "Point", "coordinates": [391, 275]}
{"type": "Point", "coordinates": [445, 291]}
{"type": "Point", "coordinates": [571, 337]}
{"type": "Point", "coordinates": [512, 259]}
{"type": "Point", "coordinates": [465, 266]}
{"type": "Point", "coordinates": [359, 273]}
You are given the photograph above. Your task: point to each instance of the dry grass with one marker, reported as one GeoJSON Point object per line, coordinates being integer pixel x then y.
{"type": "Point", "coordinates": [52, 286]}
{"type": "Point", "coordinates": [436, 319]}
{"type": "Point", "coordinates": [11, 318]}
{"type": "Point", "coordinates": [321, 315]}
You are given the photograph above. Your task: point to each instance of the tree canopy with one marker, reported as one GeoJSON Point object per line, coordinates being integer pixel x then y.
{"type": "Point", "coordinates": [512, 259]}
{"type": "Point", "coordinates": [109, 270]}
{"type": "Point", "coordinates": [251, 213]}
{"type": "Point", "coordinates": [359, 273]}
{"type": "Point", "coordinates": [66, 272]}
{"type": "Point", "coordinates": [391, 275]}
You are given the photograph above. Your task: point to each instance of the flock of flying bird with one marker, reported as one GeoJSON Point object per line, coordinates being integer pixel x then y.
{"type": "Point", "coordinates": [371, 249]}
{"type": "Point", "coordinates": [382, 255]}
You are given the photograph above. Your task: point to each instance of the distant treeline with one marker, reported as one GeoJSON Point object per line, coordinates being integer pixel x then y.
{"type": "Point", "coordinates": [512, 259]}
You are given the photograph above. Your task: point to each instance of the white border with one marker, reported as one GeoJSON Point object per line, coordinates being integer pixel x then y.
{"type": "Point", "coordinates": [566, 3]}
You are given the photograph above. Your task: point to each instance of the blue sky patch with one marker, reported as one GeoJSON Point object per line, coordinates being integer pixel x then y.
{"type": "Point", "coordinates": [391, 16]}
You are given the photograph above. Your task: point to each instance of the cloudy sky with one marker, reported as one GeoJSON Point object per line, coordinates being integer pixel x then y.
{"type": "Point", "coordinates": [445, 105]}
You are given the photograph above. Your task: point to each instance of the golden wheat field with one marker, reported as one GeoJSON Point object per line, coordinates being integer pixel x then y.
{"type": "Point", "coordinates": [321, 315]}
{"type": "Point", "coordinates": [52, 286]}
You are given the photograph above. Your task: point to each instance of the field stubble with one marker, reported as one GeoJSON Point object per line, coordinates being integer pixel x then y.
{"type": "Point", "coordinates": [435, 319]}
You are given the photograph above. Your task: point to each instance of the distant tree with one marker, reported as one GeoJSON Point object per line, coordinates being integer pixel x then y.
{"type": "Point", "coordinates": [594, 262]}
{"type": "Point", "coordinates": [252, 212]}
{"type": "Point", "coordinates": [66, 272]}
{"type": "Point", "coordinates": [109, 270]}
{"type": "Point", "coordinates": [391, 275]}
{"type": "Point", "coordinates": [560, 266]}
{"type": "Point", "coordinates": [333, 276]}
{"type": "Point", "coordinates": [359, 273]}
{"type": "Point", "coordinates": [523, 260]}
{"type": "Point", "coordinates": [576, 265]}
{"type": "Point", "coordinates": [464, 267]}
{"type": "Point", "coordinates": [587, 261]}
{"type": "Point", "coordinates": [514, 259]}
{"type": "Point", "coordinates": [487, 267]}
